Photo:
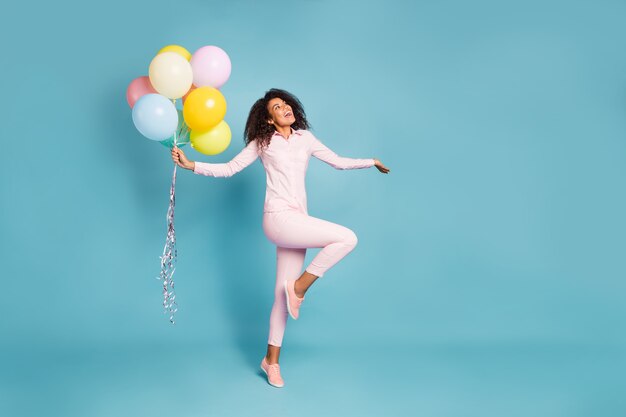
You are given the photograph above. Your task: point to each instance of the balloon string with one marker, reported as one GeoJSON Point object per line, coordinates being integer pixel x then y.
{"type": "Point", "coordinates": [169, 257]}
{"type": "Point", "coordinates": [170, 253]}
{"type": "Point", "coordinates": [175, 132]}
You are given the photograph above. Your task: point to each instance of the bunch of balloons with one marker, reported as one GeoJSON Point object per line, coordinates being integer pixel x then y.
{"type": "Point", "coordinates": [175, 73]}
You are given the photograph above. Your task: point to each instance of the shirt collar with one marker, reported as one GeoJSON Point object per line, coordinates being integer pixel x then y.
{"type": "Point", "coordinates": [297, 132]}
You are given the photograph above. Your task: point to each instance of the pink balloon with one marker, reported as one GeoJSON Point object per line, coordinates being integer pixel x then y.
{"type": "Point", "coordinates": [138, 88]}
{"type": "Point", "coordinates": [211, 67]}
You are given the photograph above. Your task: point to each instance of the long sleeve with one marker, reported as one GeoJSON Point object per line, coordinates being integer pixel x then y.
{"type": "Point", "coordinates": [323, 153]}
{"type": "Point", "coordinates": [244, 158]}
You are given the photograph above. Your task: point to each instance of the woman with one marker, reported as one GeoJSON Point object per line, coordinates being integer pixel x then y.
{"type": "Point", "coordinates": [276, 131]}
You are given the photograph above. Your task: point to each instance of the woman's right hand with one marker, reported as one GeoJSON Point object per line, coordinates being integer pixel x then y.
{"type": "Point", "coordinates": [181, 160]}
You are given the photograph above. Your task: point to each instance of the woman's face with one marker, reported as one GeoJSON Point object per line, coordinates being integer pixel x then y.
{"type": "Point", "coordinates": [280, 113]}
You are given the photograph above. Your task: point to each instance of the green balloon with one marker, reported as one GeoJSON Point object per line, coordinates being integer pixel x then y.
{"type": "Point", "coordinates": [181, 136]}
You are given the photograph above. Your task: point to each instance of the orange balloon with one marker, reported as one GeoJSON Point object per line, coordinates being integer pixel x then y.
{"type": "Point", "coordinates": [193, 87]}
{"type": "Point", "coordinates": [204, 108]}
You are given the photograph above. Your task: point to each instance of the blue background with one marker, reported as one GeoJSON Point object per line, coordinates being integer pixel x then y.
{"type": "Point", "coordinates": [489, 275]}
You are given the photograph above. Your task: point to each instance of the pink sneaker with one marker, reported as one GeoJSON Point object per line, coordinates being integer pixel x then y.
{"type": "Point", "coordinates": [293, 301]}
{"type": "Point", "coordinates": [273, 373]}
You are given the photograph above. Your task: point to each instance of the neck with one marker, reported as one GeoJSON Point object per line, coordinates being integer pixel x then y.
{"type": "Point", "coordinates": [285, 131]}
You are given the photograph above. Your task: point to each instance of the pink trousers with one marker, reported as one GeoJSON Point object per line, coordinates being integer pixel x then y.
{"type": "Point", "coordinates": [293, 232]}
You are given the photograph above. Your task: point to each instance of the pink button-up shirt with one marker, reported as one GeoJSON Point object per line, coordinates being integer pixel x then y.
{"type": "Point", "coordinates": [285, 162]}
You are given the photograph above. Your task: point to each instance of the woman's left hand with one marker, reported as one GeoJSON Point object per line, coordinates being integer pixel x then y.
{"type": "Point", "coordinates": [381, 167]}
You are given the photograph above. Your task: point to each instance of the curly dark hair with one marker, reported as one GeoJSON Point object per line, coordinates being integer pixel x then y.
{"type": "Point", "coordinates": [257, 126]}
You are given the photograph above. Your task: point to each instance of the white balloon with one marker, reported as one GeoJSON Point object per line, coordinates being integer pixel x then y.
{"type": "Point", "coordinates": [170, 74]}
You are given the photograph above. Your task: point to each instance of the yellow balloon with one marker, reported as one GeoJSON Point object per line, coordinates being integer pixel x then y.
{"type": "Point", "coordinates": [204, 108]}
{"type": "Point", "coordinates": [178, 49]}
{"type": "Point", "coordinates": [212, 141]}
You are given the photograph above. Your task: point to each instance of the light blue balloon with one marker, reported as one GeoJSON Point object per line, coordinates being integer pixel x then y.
{"type": "Point", "coordinates": [155, 117]}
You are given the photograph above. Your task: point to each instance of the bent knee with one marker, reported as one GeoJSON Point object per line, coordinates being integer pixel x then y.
{"type": "Point", "coordinates": [350, 239]}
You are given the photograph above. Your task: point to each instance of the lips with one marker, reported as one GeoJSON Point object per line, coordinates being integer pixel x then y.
{"type": "Point", "coordinates": [288, 114]}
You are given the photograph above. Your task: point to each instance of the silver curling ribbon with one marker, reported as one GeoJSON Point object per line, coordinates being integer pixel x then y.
{"type": "Point", "coordinates": [170, 255]}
